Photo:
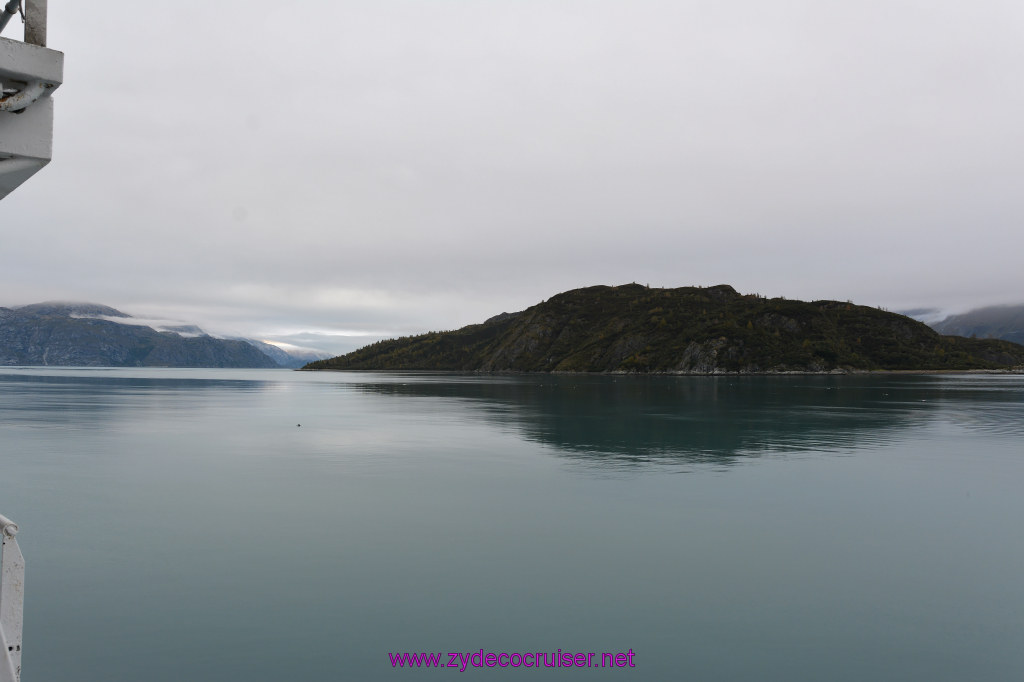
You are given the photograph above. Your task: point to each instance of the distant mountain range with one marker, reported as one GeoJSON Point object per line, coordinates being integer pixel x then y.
{"type": "Point", "coordinates": [994, 322]}
{"type": "Point", "coordinates": [91, 335]}
{"type": "Point", "coordinates": [689, 330]}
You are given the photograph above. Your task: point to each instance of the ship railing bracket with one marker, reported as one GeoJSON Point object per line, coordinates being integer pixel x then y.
{"type": "Point", "coordinates": [12, 601]}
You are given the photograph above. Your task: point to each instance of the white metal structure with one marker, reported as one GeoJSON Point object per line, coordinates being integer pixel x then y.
{"type": "Point", "coordinates": [12, 600]}
{"type": "Point", "coordinates": [29, 73]}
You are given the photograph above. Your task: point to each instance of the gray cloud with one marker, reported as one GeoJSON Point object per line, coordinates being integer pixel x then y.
{"type": "Point", "coordinates": [397, 166]}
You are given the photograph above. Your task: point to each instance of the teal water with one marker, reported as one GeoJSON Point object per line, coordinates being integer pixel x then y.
{"type": "Point", "coordinates": [179, 525]}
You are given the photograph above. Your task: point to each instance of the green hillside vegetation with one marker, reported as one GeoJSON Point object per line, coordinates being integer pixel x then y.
{"type": "Point", "coordinates": [689, 330]}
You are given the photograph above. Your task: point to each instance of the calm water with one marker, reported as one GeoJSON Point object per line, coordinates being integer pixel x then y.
{"type": "Point", "coordinates": [179, 525]}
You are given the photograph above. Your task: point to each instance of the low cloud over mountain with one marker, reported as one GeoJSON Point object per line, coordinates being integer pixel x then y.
{"type": "Point", "coordinates": [91, 335]}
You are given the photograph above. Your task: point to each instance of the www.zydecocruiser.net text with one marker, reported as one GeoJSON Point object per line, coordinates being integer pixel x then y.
{"type": "Point", "coordinates": [530, 659]}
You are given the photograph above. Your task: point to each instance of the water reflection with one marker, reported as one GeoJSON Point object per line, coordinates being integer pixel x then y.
{"type": "Point", "coordinates": [637, 420]}
{"type": "Point", "coordinates": [90, 399]}
{"type": "Point", "coordinates": [599, 420]}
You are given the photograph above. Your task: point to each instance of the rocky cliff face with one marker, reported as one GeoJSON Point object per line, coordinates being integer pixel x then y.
{"type": "Point", "coordinates": [690, 330]}
{"type": "Point", "coordinates": [87, 335]}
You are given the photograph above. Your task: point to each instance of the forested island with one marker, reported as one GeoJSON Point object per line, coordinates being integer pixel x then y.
{"type": "Point", "coordinates": [688, 330]}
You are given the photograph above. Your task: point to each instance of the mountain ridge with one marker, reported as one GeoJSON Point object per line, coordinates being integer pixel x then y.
{"type": "Point", "coordinates": [63, 333]}
{"type": "Point", "coordinates": [688, 330]}
{"type": "Point", "coordinates": [991, 322]}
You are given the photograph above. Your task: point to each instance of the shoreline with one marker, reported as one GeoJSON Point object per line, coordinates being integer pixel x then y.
{"type": "Point", "coordinates": [851, 372]}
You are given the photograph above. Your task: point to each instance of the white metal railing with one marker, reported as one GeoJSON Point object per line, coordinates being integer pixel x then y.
{"type": "Point", "coordinates": [29, 73]}
{"type": "Point", "coordinates": [12, 601]}
{"type": "Point", "coordinates": [11, 10]}
{"type": "Point", "coordinates": [34, 15]}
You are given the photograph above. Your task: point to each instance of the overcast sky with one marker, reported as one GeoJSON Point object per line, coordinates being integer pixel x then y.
{"type": "Point", "coordinates": [395, 166]}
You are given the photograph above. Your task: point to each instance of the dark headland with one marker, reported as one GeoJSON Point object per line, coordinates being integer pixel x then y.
{"type": "Point", "coordinates": [689, 330]}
